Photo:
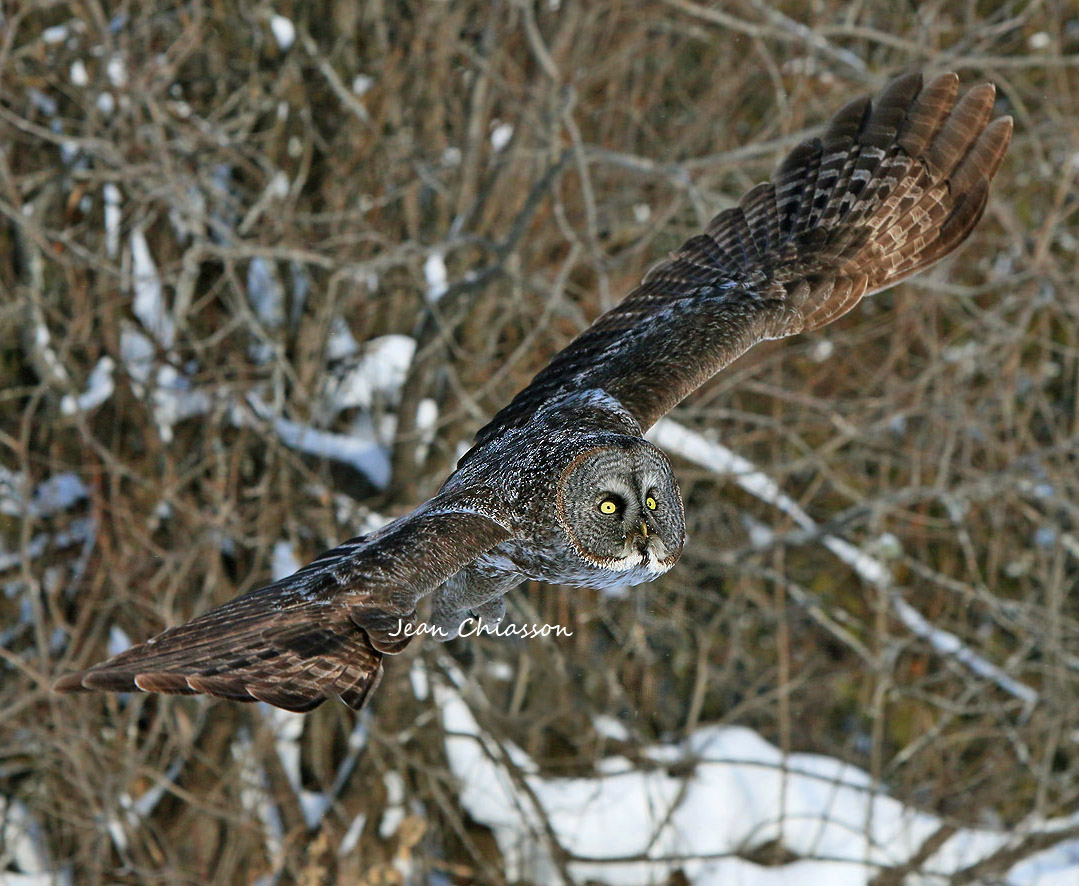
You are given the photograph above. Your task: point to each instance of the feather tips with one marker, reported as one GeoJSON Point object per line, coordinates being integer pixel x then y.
{"type": "Point", "coordinates": [319, 633]}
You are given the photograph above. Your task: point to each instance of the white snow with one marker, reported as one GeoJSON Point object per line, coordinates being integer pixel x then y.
{"type": "Point", "coordinates": [149, 305]}
{"type": "Point", "coordinates": [352, 835]}
{"type": "Point", "coordinates": [284, 561]}
{"type": "Point", "coordinates": [57, 493]}
{"type": "Point", "coordinates": [51, 496]}
{"type": "Point", "coordinates": [426, 425]}
{"type": "Point", "coordinates": [341, 343]}
{"type": "Point", "coordinates": [267, 298]}
{"type": "Point", "coordinates": [365, 455]}
{"type": "Point", "coordinates": [947, 643]}
{"type": "Point", "coordinates": [394, 812]}
{"type": "Point", "coordinates": [55, 34]}
{"type": "Point", "coordinates": [284, 31]}
{"type": "Point", "coordinates": [434, 272]}
{"type": "Point", "coordinates": [417, 676]}
{"type": "Point", "coordinates": [287, 728]}
{"type": "Point", "coordinates": [173, 396]}
{"type": "Point", "coordinates": [427, 417]}
{"type": "Point", "coordinates": [501, 134]}
{"type": "Point", "coordinates": [176, 400]}
{"type": "Point", "coordinates": [44, 103]}
{"type": "Point", "coordinates": [822, 350]}
{"type": "Point", "coordinates": [22, 846]}
{"type": "Point", "coordinates": [116, 71]}
{"type": "Point", "coordinates": [610, 728]}
{"type": "Point", "coordinates": [78, 73]}
{"type": "Point", "coordinates": [256, 796]}
{"type": "Point", "coordinates": [47, 353]}
{"type": "Point", "coordinates": [118, 641]}
{"type": "Point", "coordinates": [265, 293]}
{"type": "Point", "coordinates": [99, 387]}
{"type": "Point", "coordinates": [378, 374]}
{"type": "Point", "coordinates": [735, 792]}
{"type": "Point", "coordinates": [137, 355]}
{"type": "Point", "coordinates": [144, 804]}
{"type": "Point", "coordinates": [111, 196]}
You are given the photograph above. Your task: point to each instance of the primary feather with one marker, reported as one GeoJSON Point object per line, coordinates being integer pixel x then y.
{"type": "Point", "coordinates": [887, 189]}
{"type": "Point", "coordinates": [318, 633]}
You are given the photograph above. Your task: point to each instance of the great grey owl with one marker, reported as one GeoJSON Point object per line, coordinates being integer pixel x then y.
{"type": "Point", "coordinates": [561, 486]}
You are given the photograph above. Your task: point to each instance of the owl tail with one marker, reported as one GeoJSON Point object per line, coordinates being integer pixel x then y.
{"type": "Point", "coordinates": [890, 187]}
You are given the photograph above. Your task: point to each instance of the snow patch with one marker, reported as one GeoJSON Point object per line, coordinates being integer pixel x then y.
{"type": "Point", "coordinates": [118, 641]}
{"type": "Point", "coordinates": [256, 795]}
{"type": "Point", "coordinates": [149, 305]}
{"type": "Point", "coordinates": [394, 812]}
{"type": "Point", "coordinates": [116, 71]}
{"type": "Point", "coordinates": [733, 792]}
{"type": "Point", "coordinates": [51, 496]}
{"type": "Point", "coordinates": [265, 293]}
{"type": "Point", "coordinates": [352, 835]}
{"type": "Point", "coordinates": [78, 73]}
{"type": "Point", "coordinates": [111, 196]}
{"type": "Point", "coordinates": [284, 31]}
{"type": "Point", "coordinates": [417, 676]}
{"type": "Point", "coordinates": [365, 456]}
{"type": "Point", "coordinates": [341, 343]}
{"type": "Point", "coordinates": [501, 135]}
{"type": "Point", "coordinates": [55, 34]}
{"type": "Point", "coordinates": [99, 387]}
{"type": "Point", "coordinates": [377, 376]}
{"type": "Point", "coordinates": [434, 271]}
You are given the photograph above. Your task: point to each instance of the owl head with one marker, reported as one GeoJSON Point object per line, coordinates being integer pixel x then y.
{"type": "Point", "coordinates": [620, 506]}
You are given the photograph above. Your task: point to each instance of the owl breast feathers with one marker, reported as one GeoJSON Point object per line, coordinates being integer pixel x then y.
{"type": "Point", "coordinates": [561, 486]}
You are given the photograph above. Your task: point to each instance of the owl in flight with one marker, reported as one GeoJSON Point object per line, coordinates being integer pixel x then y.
{"type": "Point", "coordinates": [561, 485]}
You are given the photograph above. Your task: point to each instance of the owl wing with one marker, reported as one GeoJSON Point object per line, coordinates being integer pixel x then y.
{"type": "Point", "coordinates": [320, 632]}
{"type": "Point", "coordinates": [889, 188]}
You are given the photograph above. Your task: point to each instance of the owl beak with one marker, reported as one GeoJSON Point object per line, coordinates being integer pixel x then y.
{"type": "Point", "coordinates": [639, 537]}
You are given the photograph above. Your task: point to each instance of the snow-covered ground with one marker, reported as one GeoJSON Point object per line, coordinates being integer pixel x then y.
{"type": "Point", "coordinates": [733, 792]}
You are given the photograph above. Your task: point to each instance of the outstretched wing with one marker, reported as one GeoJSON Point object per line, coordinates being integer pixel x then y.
{"type": "Point", "coordinates": [889, 188]}
{"type": "Point", "coordinates": [318, 633]}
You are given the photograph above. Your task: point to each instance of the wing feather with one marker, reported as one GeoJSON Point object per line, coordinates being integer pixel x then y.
{"type": "Point", "coordinates": [319, 633]}
{"type": "Point", "coordinates": [887, 189]}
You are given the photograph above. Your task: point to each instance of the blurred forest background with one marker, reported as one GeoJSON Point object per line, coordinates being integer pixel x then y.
{"type": "Point", "coordinates": [214, 214]}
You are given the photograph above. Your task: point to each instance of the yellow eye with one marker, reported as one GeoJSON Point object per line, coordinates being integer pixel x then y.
{"type": "Point", "coordinates": [607, 506]}
{"type": "Point", "coordinates": [651, 502]}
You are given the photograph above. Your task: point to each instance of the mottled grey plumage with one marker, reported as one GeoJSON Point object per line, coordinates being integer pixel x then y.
{"type": "Point", "coordinates": [561, 485]}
